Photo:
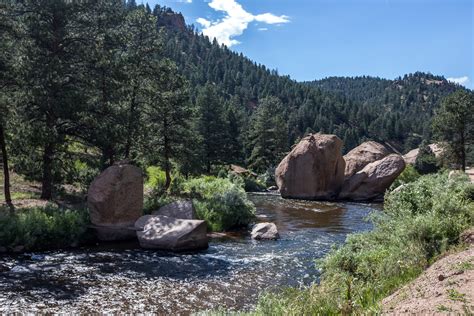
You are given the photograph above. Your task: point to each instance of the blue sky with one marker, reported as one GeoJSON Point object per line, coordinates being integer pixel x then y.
{"type": "Point", "coordinates": [312, 39]}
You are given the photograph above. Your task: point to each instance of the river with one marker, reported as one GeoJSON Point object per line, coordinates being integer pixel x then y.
{"type": "Point", "coordinates": [231, 274]}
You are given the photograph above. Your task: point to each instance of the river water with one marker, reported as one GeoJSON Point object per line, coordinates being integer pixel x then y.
{"type": "Point", "coordinates": [230, 274]}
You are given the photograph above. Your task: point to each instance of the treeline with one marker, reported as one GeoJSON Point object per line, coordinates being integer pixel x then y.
{"type": "Point", "coordinates": [398, 111]}
{"type": "Point", "coordinates": [87, 83]}
{"type": "Point", "coordinates": [356, 109]}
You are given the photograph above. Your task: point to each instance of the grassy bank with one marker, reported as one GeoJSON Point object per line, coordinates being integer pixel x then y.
{"type": "Point", "coordinates": [418, 224]}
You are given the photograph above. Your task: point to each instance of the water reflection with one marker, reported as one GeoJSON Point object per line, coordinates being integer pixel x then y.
{"type": "Point", "coordinates": [231, 273]}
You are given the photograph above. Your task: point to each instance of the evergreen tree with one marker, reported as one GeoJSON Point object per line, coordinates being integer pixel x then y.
{"type": "Point", "coordinates": [212, 126]}
{"type": "Point", "coordinates": [426, 160]}
{"type": "Point", "coordinates": [168, 117]}
{"type": "Point", "coordinates": [268, 135]}
{"type": "Point", "coordinates": [53, 78]}
{"type": "Point", "coordinates": [453, 125]}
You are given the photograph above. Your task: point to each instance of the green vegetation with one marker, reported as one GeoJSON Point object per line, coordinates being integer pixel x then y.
{"type": "Point", "coordinates": [409, 174]}
{"type": "Point", "coordinates": [42, 228]}
{"type": "Point", "coordinates": [418, 223]}
{"type": "Point", "coordinates": [221, 202]}
{"type": "Point", "coordinates": [453, 125]}
{"type": "Point", "coordinates": [113, 80]}
{"type": "Point", "coordinates": [426, 161]}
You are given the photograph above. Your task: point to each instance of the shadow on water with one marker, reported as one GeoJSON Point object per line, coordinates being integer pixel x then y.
{"type": "Point", "coordinates": [231, 273]}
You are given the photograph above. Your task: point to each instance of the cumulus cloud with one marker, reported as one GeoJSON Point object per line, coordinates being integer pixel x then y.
{"type": "Point", "coordinates": [464, 81]}
{"type": "Point", "coordinates": [235, 21]}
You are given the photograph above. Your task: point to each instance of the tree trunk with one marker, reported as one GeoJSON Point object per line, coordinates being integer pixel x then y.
{"type": "Point", "coordinates": [131, 123]}
{"type": "Point", "coordinates": [463, 153]}
{"type": "Point", "coordinates": [167, 157]}
{"type": "Point", "coordinates": [6, 172]}
{"type": "Point", "coordinates": [47, 180]}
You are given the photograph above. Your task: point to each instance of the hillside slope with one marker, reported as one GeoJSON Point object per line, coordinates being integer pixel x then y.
{"type": "Point", "coordinates": [446, 286]}
{"type": "Point", "coordinates": [356, 109]}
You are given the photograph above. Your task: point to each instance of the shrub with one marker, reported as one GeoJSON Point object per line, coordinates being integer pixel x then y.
{"type": "Point", "coordinates": [408, 175]}
{"type": "Point", "coordinates": [426, 161]}
{"type": "Point", "coordinates": [221, 202]}
{"type": "Point", "coordinates": [156, 178]}
{"type": "Point", "coordinates": [156, 199]}
{"type": "Point", "coordinates": [43, 228]}
{"type": "Point", "coordinates": [418, 223]}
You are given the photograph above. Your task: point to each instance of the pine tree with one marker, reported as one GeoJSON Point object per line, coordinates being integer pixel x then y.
{"type": "Point", "coordinates": [453, 124]}
{"type": "Point", "coordinates": [268, 135]}
{"type": "Point", "coordinates": [212, 127]}
{"type": "Point", "coordinates": [53, 79]}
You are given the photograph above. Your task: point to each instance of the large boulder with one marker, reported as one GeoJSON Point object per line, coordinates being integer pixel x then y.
{"type": "Point", "coordinates": [183, 209]}
{"type": "Point", "coordinates": [372, 181]}
{"type": "Point", "coordinates": [313, 170]}
{"type": "Point", "coordinates": [362, 155]}
{"type": "Point", "coordinates": [167, 233]}
{"type": "Point", "coordinates": [265, 231]}
{"type": "Point", "coordinates": [115, 201]}
{"type": "Point", "coordinates": [410, 157]}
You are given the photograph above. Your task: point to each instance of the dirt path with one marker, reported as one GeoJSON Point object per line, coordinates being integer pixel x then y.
{"type": "Point", "coordinates": [445, 287]}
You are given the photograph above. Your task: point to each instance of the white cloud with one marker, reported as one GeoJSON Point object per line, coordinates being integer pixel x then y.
{"type": "Point", "coordinates": [204, 22]}
{"type": "Point", "coordinates": [263, 29]}
{"type": "Point", "coordinates": [185, 1]}
{"type": "Point", "coordinates": [464, 81]}
{"type": "Point", "coordinates": [235, 21]}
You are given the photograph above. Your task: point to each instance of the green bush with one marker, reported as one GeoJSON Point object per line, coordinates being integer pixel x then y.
{"type": "Point", "coordinates": [156, 199]}
{"type": "Point", "coordinates": [408, 175]}
{"type": "Point", "coordinates": [43, 228]}
{"type": "Point", "coordinates": [221, 202]}
{"type": "Point", "coordinates": [156, 178]}
{"type": "Point", "coordinates": [418, 223]}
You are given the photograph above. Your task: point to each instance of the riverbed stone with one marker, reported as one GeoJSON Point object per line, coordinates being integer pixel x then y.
{"type": "Point", "coordinates": [362, 155]}
{"type": "Point", "coordinates": [183, 209]}
{"type": "Point", "coordinates": [313, 170]}
{"type": "Point", "coordinates": [373, 180]}
{"type": "Point", "coordinates": [167, 233]}
{"type": "Point", "coordinates": [115, 201]}
{"type": "Point", "coordinates": [265, 231]}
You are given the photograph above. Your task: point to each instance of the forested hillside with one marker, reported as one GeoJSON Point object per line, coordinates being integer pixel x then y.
{"type": "Point", "coordinates": [399, 109]}
{"type": "Point", "coordinates": [396, 111]}
{"type": "Point", "coordinates": [88, 83]}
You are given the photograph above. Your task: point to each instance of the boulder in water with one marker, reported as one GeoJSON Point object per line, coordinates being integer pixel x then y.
{"type": "Point", "coordinates": [362, 155]}
{"type": "Point", "coordinates": [265, 231]}
{"type": "Point", "coordinates": [115, 201]}
{"type": "Point", "coordinates": [183, 209]}
{"type": "Point", "coordinates": [313, 170]}
{"type": "Point", "coordinates": [372, 181]}
{"type": "Point", "coordinates": [167, 233]}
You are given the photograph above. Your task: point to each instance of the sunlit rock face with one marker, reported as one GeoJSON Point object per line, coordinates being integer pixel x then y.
{"type": "Point", "coordinates": [183, 209]}
{"type": "Point", "coordinates": [115, 201]}
{"type": "Point", "coordinates": [362, 155]}
{"type": "Point", "coordinates": [313, 170]}
{"type": "Point", "coordinates": [167, 233]}
{"type": "Point", "coordinates": [373, 180]}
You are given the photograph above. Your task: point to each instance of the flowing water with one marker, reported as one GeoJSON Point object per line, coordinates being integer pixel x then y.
{"type": "Point", "coordinates": [230, 274]}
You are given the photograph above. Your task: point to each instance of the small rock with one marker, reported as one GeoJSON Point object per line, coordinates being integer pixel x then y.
{"type": "Point", "coordinates": [441, 277]}
{"type": "Point", "coordinates": [265, 231]}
